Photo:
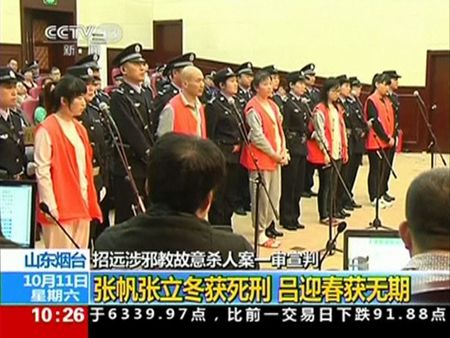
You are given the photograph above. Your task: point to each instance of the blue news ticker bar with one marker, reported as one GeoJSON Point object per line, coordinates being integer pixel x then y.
{"type": "Point", "coordinates": [25, 288]}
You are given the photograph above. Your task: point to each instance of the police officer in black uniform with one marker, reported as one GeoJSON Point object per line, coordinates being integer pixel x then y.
{"type": "Point", "coordinates": [92, 121]}
{"type": "Point", "coordinates": [245, 77]}
{"type": "Point", "coordinates": [223, 120]}
{"type": "Point", "coordinates": [12, 148]}
{"type": "Point", "coordinates": [312, 96]}
{"type": "Point", "coordinates": [210, 91]}
{"type": "Point", "coordinates": [295, 125]}
{"type": "Point", "coordinates": [173, 72]}
{"type": "Point", "coordinates": [393, 96]}
{"type": "Point", "coordinates": [91, 61]}
{"type": "Point", "coordinates": [341, 195]}
{"type": "Point", "coordinates": [131, 109]}
{"type": "Point", "coordinates": [357, 129]}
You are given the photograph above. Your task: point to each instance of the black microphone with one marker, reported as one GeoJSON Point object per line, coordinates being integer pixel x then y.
{"type": "Point", "coordinates": [104, 109]}
{"type": "Point", "coordinates": [332, 243]}
{"type": "Point", "coordinates": [45, 209]}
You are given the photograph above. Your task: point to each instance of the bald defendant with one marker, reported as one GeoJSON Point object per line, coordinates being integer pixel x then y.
{"type": "Point", "coordinates": [184, 114]}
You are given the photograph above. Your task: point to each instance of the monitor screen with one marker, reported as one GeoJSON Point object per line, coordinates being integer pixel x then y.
{"type": "Point", "coordinates": [374, 250]}
{"type": "Point", "coordinates": [17, 211]}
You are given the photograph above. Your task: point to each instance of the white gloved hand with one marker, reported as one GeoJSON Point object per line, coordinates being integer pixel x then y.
{"type": "Point", "coordinates": [102, 193]}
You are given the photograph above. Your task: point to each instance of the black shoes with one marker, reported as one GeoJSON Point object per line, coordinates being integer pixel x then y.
{"type": "Point", "coordinates": [240, 211]}
{"type": "Point", "coordinates": [271, 232]}
{"type": "Point", "coordinates": [348, 207]}
{"type": "Point", "coordinates": [341, 214]}
{"type": "Point", "coordinates": [388, 198]}
{"type": "Point", "coordinates": [356, 205]}
{"type": "Point", "coordinates": [300, 226]}
{"type": "Point", "coordinates": [308, 194]}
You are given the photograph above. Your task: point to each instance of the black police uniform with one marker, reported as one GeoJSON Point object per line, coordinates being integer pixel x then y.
{"type": "Point", "coordinates": [223, 120]}
{"type": "Point", "coordinates": [132, 113]}
{"type": "Point", "coordinates": [295, 126]}
{"type": "Point", "coordinates": [312, 96]}
{"type": "Point", "coordinates": [391, 151]}
{"type": "Point", "coordinates": [280, 101]}
{"type": "Point", "coordinates": [12, 147]}
{"type": "Point", "coordinates": [169, 89]}
{"type": "Point", "coordinates": [100, 97]}
{"type": "Point", "coordinates": [91, 61]}
{"type": "Point", "coordinates": [242, 199]}
{"type": "Point", "coordinates": [92, 121]}
{"type": "Point", "coordinates": [357, 131]}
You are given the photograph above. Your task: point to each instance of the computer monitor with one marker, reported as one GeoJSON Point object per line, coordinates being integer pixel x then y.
{"type": "Point", "coordinates": [374, 250]}
{"type": "Point", "coordinates": [18, 211]}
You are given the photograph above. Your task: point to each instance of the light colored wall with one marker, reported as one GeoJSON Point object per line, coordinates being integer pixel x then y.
{"type": "Point", "coordinates": [356, 37]}
{"type": "Point", "coordinates": [134, 16]}
{"type": "Point", "coordinates": [10, 21]}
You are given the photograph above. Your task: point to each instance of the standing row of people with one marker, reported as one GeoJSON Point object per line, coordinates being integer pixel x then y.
{"type": "Point", "coordinates": [265, 135]}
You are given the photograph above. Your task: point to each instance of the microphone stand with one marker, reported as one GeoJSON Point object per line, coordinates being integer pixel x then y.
{"type": "Point", "coordinates": [44, 209]}
{"type": "Point", "coordinates": [376, 223]}
{"type": "Point", "coordinates": [332, 197]}
{"type": "Point", "coordinates": [259, 179]}
{"type": "Point", "coordinates": [331, 244]}
{"type": "Point", "coordinates": [434, 142]}
{"type": "Point", "coordinates": [118, 144]}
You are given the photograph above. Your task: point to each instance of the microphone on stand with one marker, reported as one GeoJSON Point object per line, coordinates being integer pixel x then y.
{"type": "Point", "coordinates": [331, 244]}
{"type": "Point", "coordinates": [104, 109]}
{"type": "Point", "coordinates": [45, 209]}
{"type": "Point", "coordinates": [118, 143]}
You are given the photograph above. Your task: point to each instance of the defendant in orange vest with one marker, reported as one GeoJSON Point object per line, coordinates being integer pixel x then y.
{"type": "Point", "coordinates": [184, 114]}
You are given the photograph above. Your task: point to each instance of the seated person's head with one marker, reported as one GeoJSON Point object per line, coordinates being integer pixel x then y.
{"type": "Point", "coordinates": [183, 173]}
{"type": "Point", "coordinates": [427, 224]}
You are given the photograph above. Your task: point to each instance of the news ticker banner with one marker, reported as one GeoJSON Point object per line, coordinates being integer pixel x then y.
{"type": "Point", "coordinates": [65, 277]}
{"type": "Point", "coordinates": [55, 293]}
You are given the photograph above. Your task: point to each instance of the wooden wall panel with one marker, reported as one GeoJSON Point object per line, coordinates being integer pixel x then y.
{"type": "Point", "coordinates": [8, 51]}
{"type": "Point", "coordinates": [438, 84]}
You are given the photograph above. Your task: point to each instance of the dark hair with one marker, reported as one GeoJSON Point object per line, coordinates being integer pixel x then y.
{"type": "Point", "coordinates": [380, 78]}
{"type": "Point", "coordinates": [183, 170]}
{"type": "Point", "coordinates": [383, 78]}
{"type": "Point", "coordinates": [46, 96]}
{"type": "Point", "coordinates": [260, 76]}
{"type": "Point", "coordinates": [427, 209]}
{"type": "Point", "coordinates": [329, 84]}
{"type": "Point", "coordinates": [223, 81]}
{"type": "Point", "coordinates": [69, 87]}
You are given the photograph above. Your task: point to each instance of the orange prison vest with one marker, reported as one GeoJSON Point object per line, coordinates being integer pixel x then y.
{"type": "Point", "coordinates": [386, 118]}
{"type": "Point", "coordinates": [65, 175]}
{"type": "Point", "coordinates": [315, 154]}
{"type": "Point", "coordinates": [265, 162]}
{"type": "Point", "coordinates": [184, 121]}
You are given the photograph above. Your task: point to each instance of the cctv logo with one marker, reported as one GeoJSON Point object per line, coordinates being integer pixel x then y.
{"type": "Point", "coordinates": [104, 33]}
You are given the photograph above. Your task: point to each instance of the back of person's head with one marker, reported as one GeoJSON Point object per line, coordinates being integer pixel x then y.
{"type": "Point", "coordinates": [184, 171]}
{"type": "Point", "coordinates": [67, 89]}
{"type": "Point", "coordinates": [427, 225]}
